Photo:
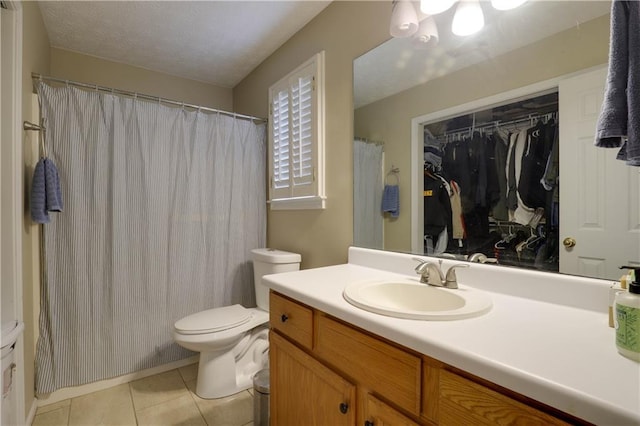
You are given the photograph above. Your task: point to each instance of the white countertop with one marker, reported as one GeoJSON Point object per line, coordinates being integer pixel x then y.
{"type": "Point", "coordinates": [563, 356]}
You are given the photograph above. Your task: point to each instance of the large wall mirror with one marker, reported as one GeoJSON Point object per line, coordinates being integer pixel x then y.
{"type": "Point", "coordinates": [442, 120]}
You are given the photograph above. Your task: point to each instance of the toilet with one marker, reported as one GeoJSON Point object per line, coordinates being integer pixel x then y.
{"type": "Point", "coordinates": [233, 341]}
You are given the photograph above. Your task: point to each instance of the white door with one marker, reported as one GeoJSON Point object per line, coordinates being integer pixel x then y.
{"type": "Point", "coordinates": [11, 205]}
{"type": "Point", "coordinates": [599, 195]}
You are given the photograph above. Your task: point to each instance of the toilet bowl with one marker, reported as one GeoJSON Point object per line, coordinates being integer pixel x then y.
{"type": "Point", "coordinates": [233, 341]}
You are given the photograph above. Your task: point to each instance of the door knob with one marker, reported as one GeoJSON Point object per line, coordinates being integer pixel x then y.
{"type": "Point", "coordinates": [344, 407]}
{"type": "Point", "coordinates": [569, 242]}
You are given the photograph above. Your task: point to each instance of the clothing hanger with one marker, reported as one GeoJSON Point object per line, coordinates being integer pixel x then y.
{"type": "Point", "coordinates": [428, 173]}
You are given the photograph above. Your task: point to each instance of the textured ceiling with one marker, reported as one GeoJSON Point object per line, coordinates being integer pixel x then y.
{"type": "Point", "coordinates": [217, 42]}
{"type": "Point", "coordinates": [396, 65]}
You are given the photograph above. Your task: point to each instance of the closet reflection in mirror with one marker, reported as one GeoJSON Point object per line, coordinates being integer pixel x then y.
{"type": "Point", "coordinates": [543, 64]}
{"type": "Point", "coordinates": [490, 185]}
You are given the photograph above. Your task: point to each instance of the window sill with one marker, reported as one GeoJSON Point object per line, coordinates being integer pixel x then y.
{"type": "Point", "coordinates": [299, 203]}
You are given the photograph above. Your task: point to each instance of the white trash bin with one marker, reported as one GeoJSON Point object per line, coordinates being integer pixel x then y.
{"type": "Point", "coordinates": [261, 398]}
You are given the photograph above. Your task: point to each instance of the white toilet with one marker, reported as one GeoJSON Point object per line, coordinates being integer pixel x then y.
{"type": "Point", "coordinates": [233, 341]}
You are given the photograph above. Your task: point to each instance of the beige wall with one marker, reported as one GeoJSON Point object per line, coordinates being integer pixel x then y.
{"type": "Point", "coordinates": [344, 30]}
{"type": "Point", "coordinates": [88, 69]}
{"type": "Point", "coordinates": [389, 119]}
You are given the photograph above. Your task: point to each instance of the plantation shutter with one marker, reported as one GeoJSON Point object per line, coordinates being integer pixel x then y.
{"type": "Point", "coordinates": [296, 129]}
{"type": "Point", "coordinates": [280, 119]}
{"type": "Point", "coordinates": [302, 95]}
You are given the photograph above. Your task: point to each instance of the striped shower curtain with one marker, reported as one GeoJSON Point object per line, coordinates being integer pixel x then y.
{"type": "Point", "coordinates": [161, 209]}
{"type": "Point", "coordinates": [367, 194]}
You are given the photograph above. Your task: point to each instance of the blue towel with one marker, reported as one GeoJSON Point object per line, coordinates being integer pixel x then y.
{"type": "Point", "coordinates": [391, 200]}
{"type": "Point", "coordinates": [46, 195]}
{"type": "Point", "coordinates": [619, 121]}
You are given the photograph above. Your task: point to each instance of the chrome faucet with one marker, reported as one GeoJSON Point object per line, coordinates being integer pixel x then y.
{"type": "Point", "coordinates": [477, 257]}
{"type": "Point", "coordinates": [431, 274]}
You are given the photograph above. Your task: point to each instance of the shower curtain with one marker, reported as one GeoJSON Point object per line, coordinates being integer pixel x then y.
{"type": "Point", "coordinates": [161, 209]}
{"type": "Point", "coordinates": [367, 194]}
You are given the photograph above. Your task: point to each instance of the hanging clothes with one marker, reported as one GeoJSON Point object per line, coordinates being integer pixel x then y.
{"type": "Point", "coordinates": [522, 213]}
{"type": "Point", "coordinates": [492, 195]}
{"type": "Point", "coordinates": [437, 207]}
{"type": "Point", "coordinates": [501, 147]}
{"type": "Point", "coordinates": [456, 165]}
{"type": "Point", "coordinates": [534, 160]}
{"type": "Point", "coordinates": [457, 220]}
{"type": "Point", "coordinates": [432, 152]}
{"type": "Point", "coordinates": [495, 174]}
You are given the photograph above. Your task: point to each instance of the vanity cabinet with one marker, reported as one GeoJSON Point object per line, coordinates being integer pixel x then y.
{"type": "Point", "coordinates": [327, 372]}
{"type": "Point", "coordinates": [307, 391]}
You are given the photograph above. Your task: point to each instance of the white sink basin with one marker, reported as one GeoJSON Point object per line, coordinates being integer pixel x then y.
{"type": "Point", "coordinates": [414, 300]}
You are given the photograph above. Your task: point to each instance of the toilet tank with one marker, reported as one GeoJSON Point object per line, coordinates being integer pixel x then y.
{"type": "Point", "coordinates": [270, 261]}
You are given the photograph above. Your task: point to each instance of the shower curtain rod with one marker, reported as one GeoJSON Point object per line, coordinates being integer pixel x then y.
{"type": "Point", "coordinates": [36, 76]}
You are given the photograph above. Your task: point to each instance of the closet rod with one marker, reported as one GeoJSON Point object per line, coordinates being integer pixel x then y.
{"type": "Point", "coordinates": [500, 123]}
{"type": "Point", "coordinates": [36, 76]}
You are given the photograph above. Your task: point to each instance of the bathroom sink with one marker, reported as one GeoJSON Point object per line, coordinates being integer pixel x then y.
{"type": "Point", "coordinates": [414, 300]}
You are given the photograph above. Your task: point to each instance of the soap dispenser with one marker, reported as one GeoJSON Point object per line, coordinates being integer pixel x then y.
{"type": "Point", "coordinates": [627, 318]}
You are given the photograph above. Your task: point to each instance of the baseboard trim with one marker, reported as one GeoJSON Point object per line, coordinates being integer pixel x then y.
{"type": "Point", "coordinates": [32, 412]}
{"type": "Point", "coordinates": [72, 392]}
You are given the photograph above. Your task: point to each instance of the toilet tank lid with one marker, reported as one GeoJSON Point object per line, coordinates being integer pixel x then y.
{"type": "Point", "coordinates": [268, 255]}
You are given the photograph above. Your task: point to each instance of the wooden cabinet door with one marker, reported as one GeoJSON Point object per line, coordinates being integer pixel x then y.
{"type": "Point", "coordinates": [377, 413]}
{"type": "Point", "coordinates": [463, 402]}
{"type": "Point", "coordinates": [305, 392]}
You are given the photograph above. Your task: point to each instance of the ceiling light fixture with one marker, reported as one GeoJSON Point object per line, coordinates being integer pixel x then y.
{"type": "Point", "coordinates": [468, 18]}
{"type": "Point", "coordinates": [409, 20]}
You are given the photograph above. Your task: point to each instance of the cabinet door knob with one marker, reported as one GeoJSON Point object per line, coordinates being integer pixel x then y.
{"type": "Point", "coordinates": [284, 318]}
{"type": "Point", "coordinates": [368, 423]}
{"type": "Point", "coordinates": [344, 407]}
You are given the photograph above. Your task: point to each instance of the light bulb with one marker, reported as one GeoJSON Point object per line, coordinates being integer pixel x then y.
{"type": "Point", "coordinates": [433, 7]}
{"type": "Point", "coordinates": [506, 4]}
{"type": "Point", "coordinates": [468, 18]}
{"type": "Point", "coordinates": [427, 34]}
{"type": "Point", "coordinates": [404, 20]}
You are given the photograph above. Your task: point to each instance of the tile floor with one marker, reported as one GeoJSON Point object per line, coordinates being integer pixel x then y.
{"type": "Point", "coordinates": [164, 399]}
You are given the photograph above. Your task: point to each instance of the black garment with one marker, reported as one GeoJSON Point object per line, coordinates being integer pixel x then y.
{"type": "Point", "coordinates": [493, 186]}
{"type": "Point", "coordinates": [456, 166]}
{"type": "Point", "coordinates": [478, 162]}
{"type": "Point", "coordinates": [534, 162]}
{"type": "Point", "coordinates": [501, 147]}
{"type": "Point", "coordinates": [512, 187]}
{"type": "Point", "coordinates": [437, 207]}
{"type": "Point", "coordinates": [551, 178]}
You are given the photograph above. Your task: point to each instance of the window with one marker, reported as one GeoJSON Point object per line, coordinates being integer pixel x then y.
{"type": "Point", "coordinates": [296, 138]}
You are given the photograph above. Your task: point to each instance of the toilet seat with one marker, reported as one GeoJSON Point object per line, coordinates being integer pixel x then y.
{"type": "Point", "coordinates": [213, 320]}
